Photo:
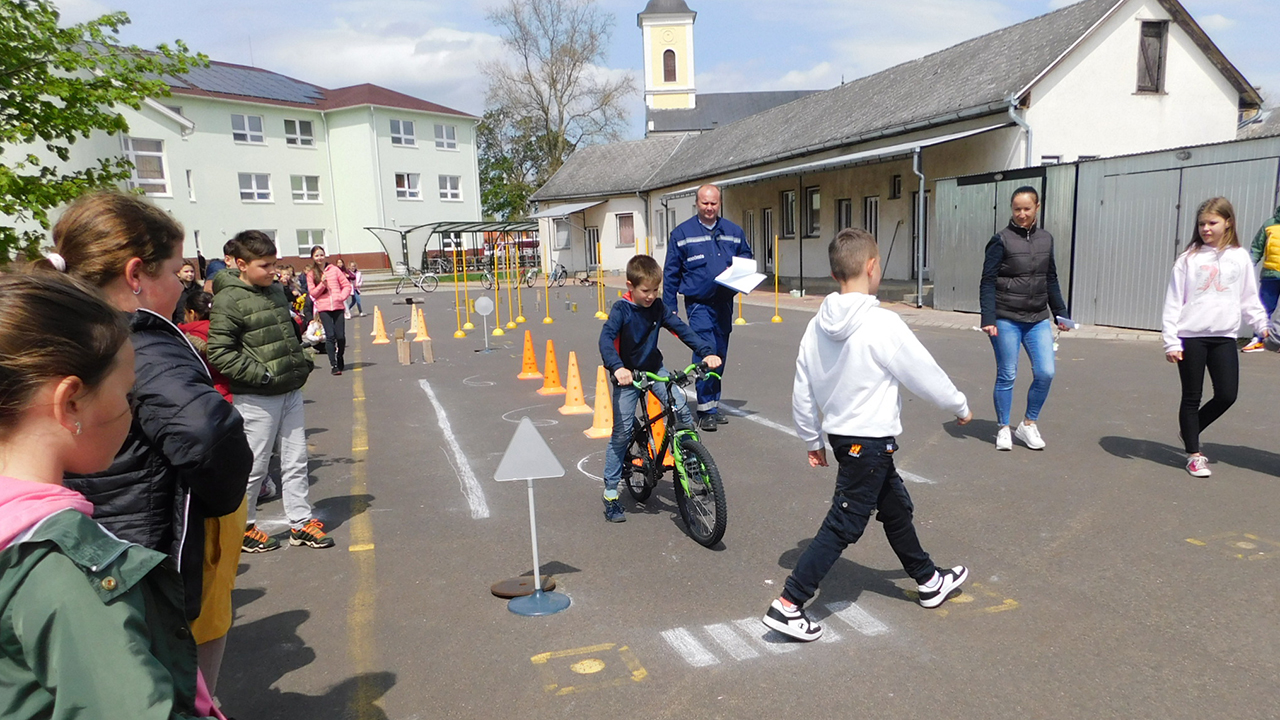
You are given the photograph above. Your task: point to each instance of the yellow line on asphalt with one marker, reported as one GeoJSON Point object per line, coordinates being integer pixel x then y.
{"type": "Point", "coordinates": [362, 609]}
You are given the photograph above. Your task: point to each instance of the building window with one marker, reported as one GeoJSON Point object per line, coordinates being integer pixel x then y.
{"type": "Point", "coordinates": [844, 214]}
{"type": "Point", "coordinates": [626, 230]}
{"type": "Point", "coordinates": [446, 137]}
{"type": "Point", "coordinates": [247, 129]}
{"type": "Point", "coordinates": [659, 225]}
{"type": "Point", "coordinates": [175, 109]}
{"type": "Point", "coordinates": [1050, 159]}
{"type": "Point", "coordinates": [895, 187]}
{"type": "Point", "coordinates": [271, 234]}
{"type": "Point", "coordinates": [299, 133]}
{"type": "Point", "coordinates": [148, 171]}
{"type": "Point", "coordinates": [766, 229]}
{"type": "Point", "coordinates": [402, 133]}
{"type": "Point", "coordinates": [255, 187]}
{"type": "Point", "coordinates": [407, 187]}
{"type": "Point", "coordinates": [749, 228]}
{"type": "Point", "coordinates": [562, 234]}
{"type": "Point", "coordinates": [1151, 56]}
{"type": "Point", "coordinates": [308, 239]}
{"type": "Point", "coordinates": [592, 237]}
{"type": "Point", "coordinates": [812, 211]}
{"type": "Point", "coordinates": [871, 215]}
{"type": "Point", "coordinates": [669, 66]}
{"type": "Point", "coordinates": [671, 227]}
{"type": "Point", "coordinates": [450, 187]}
{"type": "Point", "coordinates": [306, 188]}
{"type": "Point", "coordinates": [191, 187]}
{"type": "Point", "coordinates": [788, 213]}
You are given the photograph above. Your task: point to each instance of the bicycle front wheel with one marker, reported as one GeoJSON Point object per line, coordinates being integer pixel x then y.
{"type": "Point", "coordinates": [703, 507]}
{"type": "Point", "coordinates": [487, 281]}
{"type": "Point", "coordinates": [528, 279]}
{"type": "Point", "coordinates": [560, 279]}
{"type": "Point", "coordinates": [400, 285]}
{"type": "Point", "coordinates": [429, 283]}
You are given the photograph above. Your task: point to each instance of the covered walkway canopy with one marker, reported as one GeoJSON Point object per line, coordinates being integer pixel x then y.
{"type": "Point", "coordinates": [414, 241]}
{"type": "Point", "coordinates": [566, 210]}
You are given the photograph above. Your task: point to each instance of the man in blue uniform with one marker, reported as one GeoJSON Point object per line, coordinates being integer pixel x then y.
{"type": "Point", "coordinates": [701, 248]}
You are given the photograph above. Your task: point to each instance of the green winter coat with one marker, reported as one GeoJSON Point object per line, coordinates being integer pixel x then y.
{"type": "Point", "coordinates": [251, 338]}
{"type": "Point", "coordinates": [91, 627]}
{"type": "Point", "coordinates": [1266, 246]}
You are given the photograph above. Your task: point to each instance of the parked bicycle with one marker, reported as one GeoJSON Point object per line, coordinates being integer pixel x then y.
{"type": "Point", "coordinates": [487, 279]}
{"type": "Point", "coordinates": [559, 275]}
{"type": "Point", "coordinates": [426, 281]}
{"type": "Point", "coordinates": [530, 275]}
{"type": "Point", "coordinates": [698, 489]}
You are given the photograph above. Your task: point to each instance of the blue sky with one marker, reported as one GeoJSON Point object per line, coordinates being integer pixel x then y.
{"type": "Point", "coordinates": [432, 48]}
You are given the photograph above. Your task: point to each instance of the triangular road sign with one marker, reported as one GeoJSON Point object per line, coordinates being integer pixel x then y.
{"type": "Point", "coordinates": [528, 457]}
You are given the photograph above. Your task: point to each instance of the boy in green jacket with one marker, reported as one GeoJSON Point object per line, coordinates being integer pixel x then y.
{"type": "Point", "coordinates": [251, 341]}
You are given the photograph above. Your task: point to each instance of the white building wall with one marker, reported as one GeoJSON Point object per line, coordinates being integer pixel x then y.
{"type": "Point", "coordinates": [1088, 104]}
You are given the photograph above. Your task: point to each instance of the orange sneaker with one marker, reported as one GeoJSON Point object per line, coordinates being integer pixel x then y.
{"type": "Point", "coordinates": [311, 534]}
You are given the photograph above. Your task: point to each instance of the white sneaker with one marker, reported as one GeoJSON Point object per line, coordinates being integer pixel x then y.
{"type": "Point", "coordinates": [1030, 434]}
{"type": "Point", "coordinates": [1198, 466]}
{"type": "Point", "coordinates": [1004, 439]}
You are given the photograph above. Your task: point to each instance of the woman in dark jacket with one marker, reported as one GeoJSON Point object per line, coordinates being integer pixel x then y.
{"type": "Point", "coordinates": [1020, 299]}
{"type": "Point", "coordinates": [186, 457]}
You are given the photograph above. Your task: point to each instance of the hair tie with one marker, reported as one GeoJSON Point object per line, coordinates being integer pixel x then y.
{"type": "Point", "coordinates": [58, 262]}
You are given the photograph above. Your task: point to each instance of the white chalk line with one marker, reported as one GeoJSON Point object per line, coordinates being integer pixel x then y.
{"type": "Point", "coordinates": [683, 642]}
{"type": "Point", "coordinates": [756, 418]}
{"type": "Point", "coordinates": [584, 460]}
{"type": "Point", "coordinates": [540, 422]}
{"type": "Point", "coordinates": [466, 477]}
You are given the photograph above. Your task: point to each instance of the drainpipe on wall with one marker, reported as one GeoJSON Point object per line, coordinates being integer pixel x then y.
{"type": "Point", "coordinates": [920, 233]}
{"type": "Point", "coordinates": [647, 220]}
{"type": "Point", "coordinates": [1013, 115]}
{"type": "Point", "coordinates": [333, 195]}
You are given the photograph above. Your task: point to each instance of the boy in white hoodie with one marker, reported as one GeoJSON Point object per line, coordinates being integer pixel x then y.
{"type": "Point", "coordinates": [853, 357]}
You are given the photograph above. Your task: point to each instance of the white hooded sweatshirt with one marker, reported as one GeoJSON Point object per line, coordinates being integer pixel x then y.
{"type": "Point", "coordinates": [852, 358]}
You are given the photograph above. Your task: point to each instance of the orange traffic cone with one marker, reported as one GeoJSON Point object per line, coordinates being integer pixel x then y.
{"type": "Point", "coordinates": [654, 408]}
{"type": "Point", "coordinates": [530, 369]}
{"type": "Point", "coordinates": [421, 322]}
{"type": "Point", "coordinates": [602, 423]}
{"type": "Point", "coordinates": [379, 330]}
{"type": "Point", "coordinates": [551, 384]}
{"type": "Point", "coordinates": [574, 402]}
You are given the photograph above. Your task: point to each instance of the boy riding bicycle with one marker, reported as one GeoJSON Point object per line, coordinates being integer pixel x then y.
{"type": "Point", "coordinates": [629, 341]}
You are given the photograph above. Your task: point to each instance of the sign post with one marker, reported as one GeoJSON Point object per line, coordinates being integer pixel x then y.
{"type": "Point", "coordinates": [528, 458]}
{"type": "Point", "coordinates": [484, 306]}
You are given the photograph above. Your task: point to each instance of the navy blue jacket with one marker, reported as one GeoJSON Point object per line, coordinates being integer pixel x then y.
{"type": "Point", "coordinates": [629, 338]}
{"type": "Point", "coordinates": [695, 256]}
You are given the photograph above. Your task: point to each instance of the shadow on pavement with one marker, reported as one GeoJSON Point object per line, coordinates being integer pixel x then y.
{"type": "Point", "coordinates": [336, 511]}
{"type": "Point", "coordinates": [979, 428]}
{"type": "Point", "coordinates": [663, 501]}
{"type": "Point", "coordinates": [1260, 461]}
{"type": "Point", "coordinates": [260, 653]}
{"type": "Point", "coordinates": [847, 580]}
{"type": "Point", "coordinates": [315, 431]}
{"type": "Point", "coordinates": [1156, 452]}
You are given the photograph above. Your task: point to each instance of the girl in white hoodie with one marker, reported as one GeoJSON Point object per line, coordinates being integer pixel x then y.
{"type": "Point", "coordinates": [1212, 284]}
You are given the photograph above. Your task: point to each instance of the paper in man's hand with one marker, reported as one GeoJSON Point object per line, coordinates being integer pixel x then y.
{"type": "Point", "coordinates": [741, 276]}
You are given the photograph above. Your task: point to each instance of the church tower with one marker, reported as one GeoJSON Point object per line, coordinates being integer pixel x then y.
{"type": "Point", "coordinates": [667, 26]}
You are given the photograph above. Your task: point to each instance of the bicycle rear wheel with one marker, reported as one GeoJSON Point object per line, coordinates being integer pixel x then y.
{"type": "Point", "coordinates": [528, 279]}
{"type": "Point", "coordinates": [561, 278]}
{"type": "Point", "coordinates": [400, 285]}
{"type": "Point", "coordinates": [429, 283]}
{"type": "Point", "coordinates": [487, 281]}
{"type": "Point", "coordinates": [703, 510]}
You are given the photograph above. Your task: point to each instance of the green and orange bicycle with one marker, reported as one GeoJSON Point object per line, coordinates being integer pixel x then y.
{"type": "Point", "coordinates": [661, 440]}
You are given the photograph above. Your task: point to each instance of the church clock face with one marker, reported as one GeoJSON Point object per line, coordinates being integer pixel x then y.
{"type": "Point", "coordinates": [668, 35]}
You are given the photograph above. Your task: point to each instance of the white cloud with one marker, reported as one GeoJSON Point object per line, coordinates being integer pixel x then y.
{"type": "Point", "coordinates": [72, 12]}
{"type": "Point", "coordinates": [1216, 22]}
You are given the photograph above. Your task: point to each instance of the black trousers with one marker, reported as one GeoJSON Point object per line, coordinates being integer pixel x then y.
{"type": "Point", "coordinates": [335, 336]}
{"type": "Point", "coordinates": [867, 482]}
{"type": "Point", "coordinates": [1219, 356]}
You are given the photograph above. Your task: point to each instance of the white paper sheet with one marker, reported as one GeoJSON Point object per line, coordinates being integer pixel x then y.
{"type": "Point", "coordinates": [741, 276]}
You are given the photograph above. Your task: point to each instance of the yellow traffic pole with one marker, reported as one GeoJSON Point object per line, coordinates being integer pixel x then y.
{"type": "Point", "coordinates": [600, 313]}
{"type": "Point", "coordinates": [519, 290]}
{"type": "Point", "coordinates": [506, 259]}
{"type": "Point", "coordinates": [547, 320]}
{"type": "Point", "coordinates": [777, 266]}
{"type": "Point", "coordinates": [457, 296]}
{"type": "Point", "coordinates": [739, 321]}
{"type": "Point", "coordinates": [466, 290]}
{"type": "Point", "coordinates": [497, 296]}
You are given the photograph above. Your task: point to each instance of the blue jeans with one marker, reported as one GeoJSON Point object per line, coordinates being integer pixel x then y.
{"type": "Point", "coordinates": [1037, 338]}
{"type": "Point", "coordinates": [625, 400]}
{"type": "Point", "coordinates": [1269, 294]}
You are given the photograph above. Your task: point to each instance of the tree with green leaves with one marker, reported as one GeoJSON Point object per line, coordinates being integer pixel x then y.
{"type": "Point", "coordinates": [510, 164]}
{"type": "Point", "coordinates": [58, 85]}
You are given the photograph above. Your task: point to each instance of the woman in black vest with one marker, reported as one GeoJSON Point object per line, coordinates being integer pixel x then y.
{"type": "Point", "coordinates": [1020, 298]}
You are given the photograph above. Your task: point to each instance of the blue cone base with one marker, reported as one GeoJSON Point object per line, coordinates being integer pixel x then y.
{"type": "Point", "coordinates": [539, 603]}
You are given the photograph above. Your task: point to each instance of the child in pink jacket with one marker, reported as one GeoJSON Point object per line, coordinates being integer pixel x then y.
{"type": "Point", "coordinates": [329, 289]}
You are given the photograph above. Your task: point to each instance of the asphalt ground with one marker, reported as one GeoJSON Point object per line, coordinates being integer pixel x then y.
{"type": "Point", "coordinates": [1105, 581]}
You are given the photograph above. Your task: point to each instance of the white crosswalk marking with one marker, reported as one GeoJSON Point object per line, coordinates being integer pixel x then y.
{"type": "Point", "coordinates": [771, 640]}
{"type": "Point", "coordinates": [683, 642]}
{"type": "Point", "coordinates": [857, 618]}
{"type": "Point", "coordinates": [738, 648]}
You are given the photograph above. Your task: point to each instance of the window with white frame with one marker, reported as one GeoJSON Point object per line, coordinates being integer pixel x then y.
{"type": "Point", "coordinates": [149, 172]}
{"type": "Point", "coordinates": [812, 211]}
{"type": "Point", "coordinates": [844, 214]}
{"type": "Point", "coordinates": [626, 230]}
{"type": "Point", "coordinates": [247, 129]}
{"type": "Point", "coordinates": [450, 187]}
{"type": "Point", "coordinates": [1050, 159]}
{"type": "Point", "coordinates": [562, 234]}
{"type": "Point", "coordinates": [871, 215]}
{"type": "Point", "coordinates": [255, 187]}
{"type": "Point", "coordinates": [308, 239]}
{"type": "Point", "coordinates": [407, 187]}
{"type": "Point", "coordinates": [299, 133]}
{"type": "Point", "coordinates": [446, 137]}
{"type": "Point", "coordinates": [306, 188]}
{"type": "Point", "coordinates": [788, 213]}
{"type": "Point", "coordinates": [402, 133]}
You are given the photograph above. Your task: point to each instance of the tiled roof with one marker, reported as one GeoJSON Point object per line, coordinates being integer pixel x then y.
{"type": "Point", "coordinates": [601, 170]}
{"type": "Point", "coordinates": [717, 109]}
{"type": "Point", "coordinates": [1266, 124]}
{"type": "Point", "coordinates": [240, 82]}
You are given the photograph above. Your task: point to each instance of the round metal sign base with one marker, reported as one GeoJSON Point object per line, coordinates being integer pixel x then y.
{"type": "Point", "coordinates": [539, 603]}
{"type": "Point", "coordinates": [520, 586]}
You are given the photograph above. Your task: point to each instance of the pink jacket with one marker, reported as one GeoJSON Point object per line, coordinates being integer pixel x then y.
{"type": "Point", "coordinates": [332, 292]}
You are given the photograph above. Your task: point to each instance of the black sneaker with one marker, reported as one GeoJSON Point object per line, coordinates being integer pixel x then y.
{"type": "Point", "coordinates": [335, 371]}
{"type": "Point", "coordinates": [707, 423]}
{"type": "Point", "coordinates": [256, 541]}
{"type": "Point", "coordinates": [312, 535]}
{"type": "Point", "coordinates": [948, 580]}
{"type": "Point", "coordinates": [613, 511]}
{"type": "Point", "coordinates": [792, 623]}
{"type": "Point", "coordinates": [721, 418]}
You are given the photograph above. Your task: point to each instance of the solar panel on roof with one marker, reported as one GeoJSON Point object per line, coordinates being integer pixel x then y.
{"type": "Point", "coordinates": [252, 83]}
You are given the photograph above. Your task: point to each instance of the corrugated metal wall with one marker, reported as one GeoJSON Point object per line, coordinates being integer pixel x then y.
{"type": "Point", "coordinates": [1118, 224]}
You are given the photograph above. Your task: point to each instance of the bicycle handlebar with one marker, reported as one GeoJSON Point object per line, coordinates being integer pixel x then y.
{"type": "Point", "coordinates": [679, 377]}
